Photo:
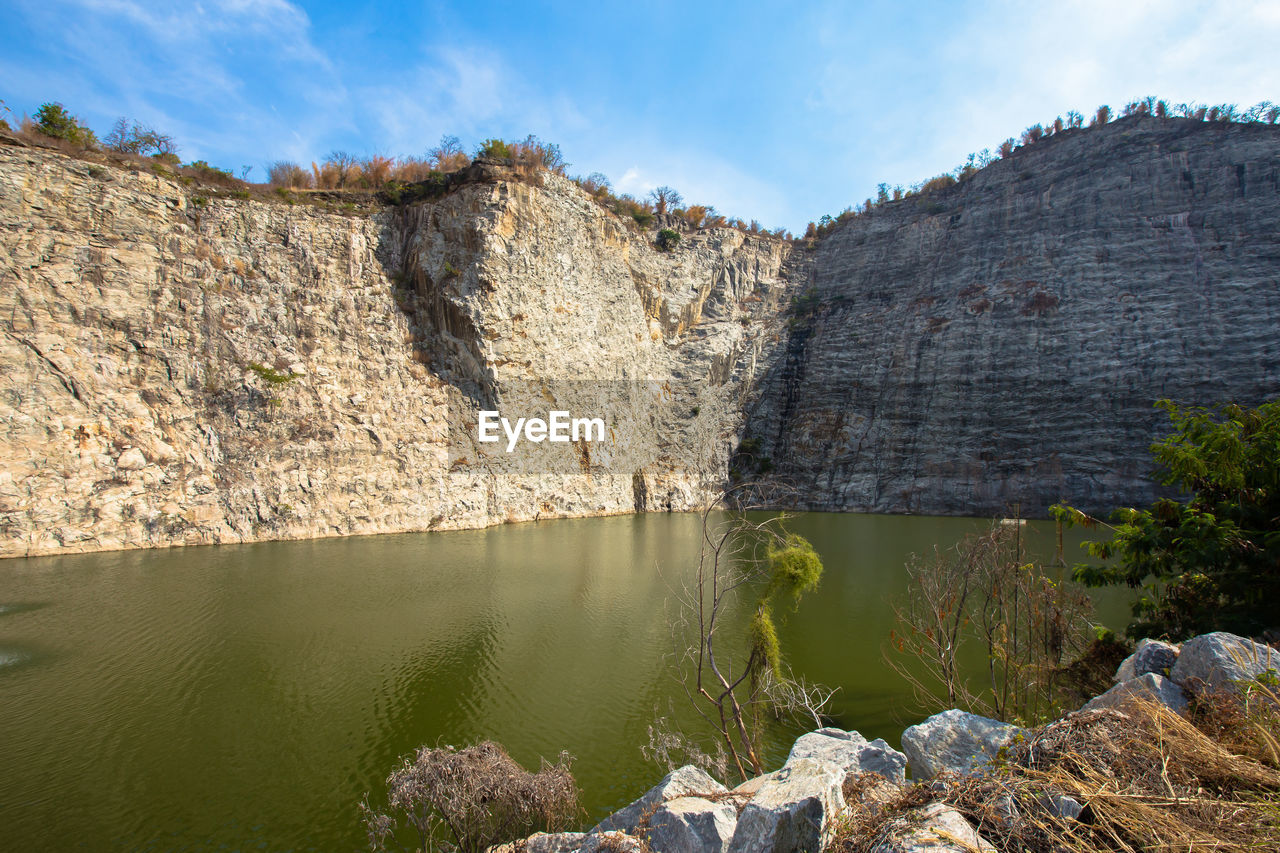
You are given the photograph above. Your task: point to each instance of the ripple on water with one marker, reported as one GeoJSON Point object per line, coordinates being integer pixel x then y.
{"type": "Point", "coordinates": [13, 657]}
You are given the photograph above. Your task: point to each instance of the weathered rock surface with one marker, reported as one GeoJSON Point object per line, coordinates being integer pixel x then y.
{"type": "Point", "coordinates": [792, 811]}
{"type": "Point", "coordinates": [954, 742]}
{"type": "Point", "coordinates": [935, 828]}
{"type": "Point", "coordinates": [683, 782]}
{"type": "Point", "coordinates": [176, 369]}
{"type": "Point", "coordinates": [691, 825]}
{"type": "Point", "coordinates": [554, 842]}
{"type": "Point", "coordinates": [1221, 660]}
{"type": "Point", "coordinates": [581, 842]}
{"type": "Point", "coordinates": [1154, 656]}
{"type": "Point", "coordinates": [1003, 341]}
{"type": "Point", "coordinates": [1149, 687]}
{"type": "Point", "coordinates": [852, 753]}
{"type": "Point", "coordinates": [184, 370]}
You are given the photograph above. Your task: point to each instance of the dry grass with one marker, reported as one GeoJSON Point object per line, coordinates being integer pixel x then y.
{"type": "Point", "coordinates": [1149, 780]}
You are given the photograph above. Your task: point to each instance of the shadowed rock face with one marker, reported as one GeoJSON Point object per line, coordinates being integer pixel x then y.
{"type": "Point", "coordinates": [1003, 341]}
{"type": "Point", "coordinates": [179, 370]}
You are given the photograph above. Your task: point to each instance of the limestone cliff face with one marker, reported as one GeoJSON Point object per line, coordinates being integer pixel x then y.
{"type": "Point", "coordinates": [1003, 341]}
{"type": "Point", "coordinates": [181, 370]}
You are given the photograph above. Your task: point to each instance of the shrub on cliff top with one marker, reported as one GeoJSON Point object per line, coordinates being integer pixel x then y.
{"type": "Point", "coordinates": [668, 239]}
{"type": "Point", "coordinates": [135, 138]}
{"type": "Point", "coordinates": [52, 119]}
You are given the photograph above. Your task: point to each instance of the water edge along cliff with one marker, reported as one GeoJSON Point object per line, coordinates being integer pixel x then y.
{"type": "Point", "coordinates": [186, 369]}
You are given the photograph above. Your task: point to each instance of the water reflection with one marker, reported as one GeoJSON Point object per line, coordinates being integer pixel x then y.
{"type": "Point", "coordinates": [250, 695]}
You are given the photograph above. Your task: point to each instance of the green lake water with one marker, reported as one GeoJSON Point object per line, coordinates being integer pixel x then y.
{"type": "Point", "coordinates": [247, 697]}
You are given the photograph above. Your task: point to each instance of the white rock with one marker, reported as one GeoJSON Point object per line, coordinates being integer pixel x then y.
{"type": "Point", "coordinates": [554, 842]}
{"type": "Point", "coordinates": [792, 811]}
{"type": "Point", "coordinates": [686, 781]}
{"type": "Point", "coordinates": [936, 828]}
{"type": "Point", "coordinates": [691, 825]}
{"type": "Point", "coordinates": [131, 460]}
{"type": "Point", "coordinates": [1151, 656]}
{"type": "Point", "coordinates": [1149, 686]}
{"type": "Point", "coordinates": [852, 753]}
{"type": "Point", "coordinates": [954, 742]}
{"type": "Point", "coordinates": [1222, 660]}
{"type": "Point", "coordinates": [611, 842]}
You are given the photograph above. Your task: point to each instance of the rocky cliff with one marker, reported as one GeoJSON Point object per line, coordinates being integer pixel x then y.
{"type": "Point", "coordinates": [1002, 342]}
{"type": "Point", "coordinates": [183, 369]}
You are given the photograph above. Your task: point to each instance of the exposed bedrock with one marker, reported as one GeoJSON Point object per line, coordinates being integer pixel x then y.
{"type": "Point", "coordinates": [1002, 342]}
{"type": "Point", "coordinates": [179, 369]}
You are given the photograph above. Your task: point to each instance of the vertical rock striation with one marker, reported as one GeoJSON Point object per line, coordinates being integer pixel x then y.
{"type": "Point", "coordinates": [1002, 342]}
{"type": "Point", "coordinates": [184, 370]}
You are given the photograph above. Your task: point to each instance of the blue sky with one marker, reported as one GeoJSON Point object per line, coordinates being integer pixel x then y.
{"type": "Point", "coordinates": [777, 111]}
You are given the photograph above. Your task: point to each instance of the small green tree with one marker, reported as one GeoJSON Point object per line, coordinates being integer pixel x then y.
{"type": "Point", "coordinates": [732, 687]}
{"type": "Point", "coordinates": [495, 148]}
{"type": "Point", "coordinates": [1213, 561]}
{"type": "Point", "coordinates": [668, 239]}
{"type": "Point", "coordinates": [52, 119]}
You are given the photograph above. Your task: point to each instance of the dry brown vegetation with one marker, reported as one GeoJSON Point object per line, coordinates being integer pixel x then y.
{"type": "Point", "coordinates": [1148, 779]}
{"type": "Point", "coordinates": [471, 799]}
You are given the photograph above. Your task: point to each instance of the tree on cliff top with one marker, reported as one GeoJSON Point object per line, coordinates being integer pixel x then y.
{"type": "Point", "coordinates": [52, 119]}
{"type": "Point", "coordinates": [1213, 562]}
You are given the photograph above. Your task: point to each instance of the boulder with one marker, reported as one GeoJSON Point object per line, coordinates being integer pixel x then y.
{"type": "Point", "coordinates": [1155, 656]}
{"type": "Point", "coordinates": [611, 842]}
{"type": "Point", "coordinates": [792, 811]}
{"type": "Point", "coordinates": [1061, 806]}
{"type": "Point", "coordinates": [691, 825]}
{"type": "Point", "coordinates": [954, 742]}
{"type": "Point", "coordinates": [935, 828]}
{"type": "Point", "coordinates": [1150, 686]}
{"type": "Point", "coordinates": [131, 460]}
{"type": "Point", "coordinates": [869, 793]}
{"type": "Point", "coordinates": [687, 780]}
{"type": "Point", "coordinates": [851, 752]}
{"type": "Point", "coordinates": [1221, 660]}
{"type": "Point", "coordinates": [748, 789]}
{"type": "Point", "coordinates": [554, 842]}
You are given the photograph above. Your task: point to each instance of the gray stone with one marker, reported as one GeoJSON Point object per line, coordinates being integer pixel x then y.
{"type": "Point", "coordinates": [554, 842]}
{"type": "Point", "coordinates": [683, 782]}
{"type": "Point", "coordinates": [935, 828]}
{"type": "Point", "coordinates": [1062, 806]}
{"type": "Point", "coordinates": [870, 792]}
{"type": "Point", "coordinates": [1221, 660]}
{"type": "Point", "coordinates": [1154, 656]}
{"type": "Point", "coordinates": [748, 788]}
{"type": "Point", "coordinates": [793, 811]}
{"type": "Point", "coordinates": [1150, 687]}
{"type": "Point", "coordinates": [954, 742]}
{"type": "Point", "coordinates": [691, 825]}
{"type": "Point", "coordinates": [611, 842]}
{"type": "Point", "coordinates": [852, 753]}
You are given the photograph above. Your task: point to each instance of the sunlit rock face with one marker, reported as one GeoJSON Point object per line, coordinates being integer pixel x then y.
{"type": "Point", "coordinates": [1000, 344]}
{"type": "Point", "coordinates": [181, 369]}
